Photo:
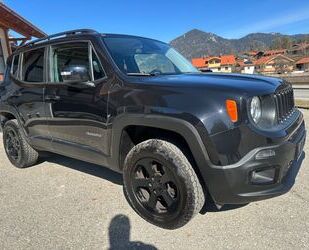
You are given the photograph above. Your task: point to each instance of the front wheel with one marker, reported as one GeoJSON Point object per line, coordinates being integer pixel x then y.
{"type": "Point", "coordinates": [161, 185]}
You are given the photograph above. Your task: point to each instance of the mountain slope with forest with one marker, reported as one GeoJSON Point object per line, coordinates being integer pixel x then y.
{"type": "Point", "coordinates": [197, 43]}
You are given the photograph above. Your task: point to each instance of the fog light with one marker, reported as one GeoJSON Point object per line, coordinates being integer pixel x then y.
{"type": "Point", "coordinates": [266, 176]}
{"type": "Point", "coordinates": [264, 154]}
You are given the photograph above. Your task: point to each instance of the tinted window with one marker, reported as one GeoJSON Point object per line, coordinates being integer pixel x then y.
{"type": "Point", "coordinates": [67, 58]}
{"type": "Point", "coordinates": [97, 68]}
{"type": "Point", "coordinates": [136, 55]}
{"type": "Point", "coordinates": [153, 63]}
{"type": "Point", "coordinates": [15, 65]}
{"type": "Point", "coordinates": [33, 66]}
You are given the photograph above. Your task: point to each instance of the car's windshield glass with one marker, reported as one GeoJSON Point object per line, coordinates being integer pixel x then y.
{"type": "Point", "coordinates": [142, 56]}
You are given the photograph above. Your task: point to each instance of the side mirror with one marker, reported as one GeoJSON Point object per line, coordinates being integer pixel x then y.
{"type": "Point", "coordinates": [75, 73]}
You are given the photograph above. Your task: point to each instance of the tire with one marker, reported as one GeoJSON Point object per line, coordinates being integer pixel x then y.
{"type": "Point", "coordinates": [161, 185]}
{"type": "Point", "coordinates": [17, 149]}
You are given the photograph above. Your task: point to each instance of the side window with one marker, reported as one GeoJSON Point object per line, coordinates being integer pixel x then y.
{"type": "Point", "coordinates": [33, 66]}
{"type": "Point", "coordinates": [97, 67]}
{"type": "Point", "coordinates": [70, 63]}
{"type": "Point", "coordinates": [14, 67]}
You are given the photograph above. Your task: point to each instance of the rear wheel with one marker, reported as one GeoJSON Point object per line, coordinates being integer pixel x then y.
{"type": "Point", "coordinates": [161, 184]}
{"type": "Point", "coordinates": [17, 149]}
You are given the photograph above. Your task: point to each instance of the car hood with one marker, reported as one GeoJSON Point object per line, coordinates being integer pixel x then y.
{"type": "Point", "coordinates": [246, 84]}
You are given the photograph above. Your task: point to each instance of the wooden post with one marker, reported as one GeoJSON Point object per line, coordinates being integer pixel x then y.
{"type": "Point", "coordinates": [7, 40]}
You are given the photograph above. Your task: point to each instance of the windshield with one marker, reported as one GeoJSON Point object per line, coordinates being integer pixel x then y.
{"type": "Point", "coordinates": [142, 56]}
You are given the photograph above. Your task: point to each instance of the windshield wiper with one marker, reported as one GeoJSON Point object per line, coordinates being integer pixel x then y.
{"type": "Point", "coordinates": [142, 74]}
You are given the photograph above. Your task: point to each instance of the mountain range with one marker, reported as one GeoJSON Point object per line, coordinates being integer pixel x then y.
{"type": "Point", "coordinates": [197, 43]}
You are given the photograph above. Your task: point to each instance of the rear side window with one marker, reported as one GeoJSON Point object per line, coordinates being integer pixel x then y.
{"type": "Point", "coordinates": [14, 69]}
{"type": "Point", "coordinates": [33, 66]}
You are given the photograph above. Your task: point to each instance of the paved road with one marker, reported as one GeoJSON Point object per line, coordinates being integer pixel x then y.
{"type": "Point", "coordinates": [301, 93]}
{"type": "Point", "coordinates": [67, 204]}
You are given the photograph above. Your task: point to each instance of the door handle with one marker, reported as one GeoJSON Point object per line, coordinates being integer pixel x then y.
{"type": "Point", "coordinates": [52, 98]}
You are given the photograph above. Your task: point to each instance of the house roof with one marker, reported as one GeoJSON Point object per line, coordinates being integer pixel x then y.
{"type": "Point", "coordinates": [299, 46]}
{"type": "Point", "coordinates": [212, 57]}
{"type": "Point", "coordinates": [245, 64]}
{"type": "Point", "coordinates": [275, 52]}
{"type": "Point", "coordinates": [250, 53]}
{"type": "Point", "coordinates": [202, 62]}
{"type": "Point", "coordinates": [228, 60]}
{"type": "Point", "coordinates": [199, 62]}
{"type": "Point", "coordinates": [267, 59]}
{"type": "Point", "coordinates": [263, 60]}
{"type": "Point", "coordinates": [303, 60]}
{"type": "Point", "coordinates": [11, 20]}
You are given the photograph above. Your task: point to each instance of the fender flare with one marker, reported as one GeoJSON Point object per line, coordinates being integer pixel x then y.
{"type": "Point", "coordinates": [11, 110]}
{"type": "Point", "coordinates": [182, 127]}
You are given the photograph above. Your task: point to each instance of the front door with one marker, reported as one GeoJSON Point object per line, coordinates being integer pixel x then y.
{"type": "Point", "coordinates": [77, 112]}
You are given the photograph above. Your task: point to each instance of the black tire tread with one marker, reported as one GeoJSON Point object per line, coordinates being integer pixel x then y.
{"type": "Point", "coordinates": [29, 155]}
{"type": "Point", "coordinates": [171, 152]}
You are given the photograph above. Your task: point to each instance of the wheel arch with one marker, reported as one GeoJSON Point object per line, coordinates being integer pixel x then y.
{"type": "Point", "coordinates": [6, 116]}
{"type": "Point", "coordinates": [9, 113]}
{"type": "Point", "coordinates": [158, 127]}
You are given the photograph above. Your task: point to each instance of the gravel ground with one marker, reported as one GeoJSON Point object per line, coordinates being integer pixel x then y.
{"type": "Point", "coordinates": [67, 204]}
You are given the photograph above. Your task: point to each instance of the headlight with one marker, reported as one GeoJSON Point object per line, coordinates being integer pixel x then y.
{"type": "Point", "coordinates": [256, 109]}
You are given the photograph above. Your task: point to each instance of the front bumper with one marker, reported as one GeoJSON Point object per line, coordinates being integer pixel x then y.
{"type": "Point", "coordinates": [233, 184]}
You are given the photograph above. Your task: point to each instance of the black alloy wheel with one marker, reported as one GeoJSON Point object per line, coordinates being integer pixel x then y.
{"type": "Point", "coordinates": [155, 187]}
{"type": "Point", "coordinates": [18, 150]}
{"type": "Point", "coordinates": [12, 145]}
{"type": "Point", "coordinates": [161, 185]}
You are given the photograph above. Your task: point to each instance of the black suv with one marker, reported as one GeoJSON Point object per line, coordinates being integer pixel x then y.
{"type": "Point", "coordinates": [135, 105]}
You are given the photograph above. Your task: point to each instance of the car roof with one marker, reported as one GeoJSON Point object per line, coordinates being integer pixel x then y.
{"type": "Point", "coordinates": [71, 35]}
{"type": "Point", "coordinates": [63, 36]}
{"type": "Point", "coordinates": [127, 36]}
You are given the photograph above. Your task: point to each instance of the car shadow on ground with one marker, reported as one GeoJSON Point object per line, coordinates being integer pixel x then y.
{"type": "Point", "coordinates": [211, 207]}
{"type": "Point", "coordinates": [85, 167]}
{"type": "Point", "coordinates": [116, 178]}
{"type": "Point", "coordinates": [119, 235]}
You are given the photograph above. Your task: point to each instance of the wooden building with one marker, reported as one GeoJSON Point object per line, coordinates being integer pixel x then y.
{"type": "Point", "coordinates": [274, 64]}
{"type": "Point", "coordinates": [10, 20]}
{"type": "Point", "coordinates": [224, 63]}
{"type": "Point", "coordinates": [303, 64]}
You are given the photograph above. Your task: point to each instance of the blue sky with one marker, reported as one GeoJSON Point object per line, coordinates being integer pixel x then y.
{"type": "Point", "coordinates": [165, 20]}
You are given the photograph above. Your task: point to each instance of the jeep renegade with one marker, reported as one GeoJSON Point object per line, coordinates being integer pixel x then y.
{"type": "Point", "coordinates": [136, 106]}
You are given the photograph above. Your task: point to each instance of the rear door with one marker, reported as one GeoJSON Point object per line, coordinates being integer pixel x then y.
{"type": "Point", "coordinates": [26, 94]}
{"type": "Point", "coordinates": [77, 111]}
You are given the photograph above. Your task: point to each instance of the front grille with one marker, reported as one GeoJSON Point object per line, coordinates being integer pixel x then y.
{"type": "Point", "coordinates": [284, 100]}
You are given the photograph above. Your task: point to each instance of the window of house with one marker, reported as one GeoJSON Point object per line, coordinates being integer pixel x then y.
{"type": "Point", "coordinates": [33, 66]}
{"type": "Point", "coordinates": [72, 62]}
{"type": "Point", "coordinates": [226, 68]}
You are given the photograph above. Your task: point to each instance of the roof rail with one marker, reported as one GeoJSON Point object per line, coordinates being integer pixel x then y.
{"type": "Point", "coordinates": [58, 35]}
